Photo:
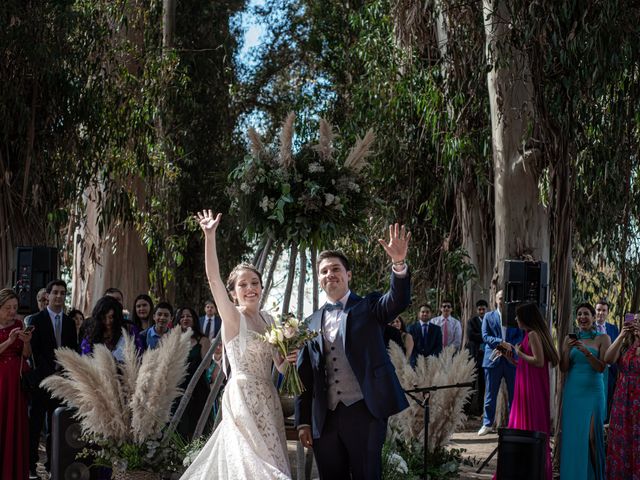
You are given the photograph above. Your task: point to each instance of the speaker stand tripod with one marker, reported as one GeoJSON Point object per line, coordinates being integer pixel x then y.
{"type": "Point", "coordinates": [424, 402]}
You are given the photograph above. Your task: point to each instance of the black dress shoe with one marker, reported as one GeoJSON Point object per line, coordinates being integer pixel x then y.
{"type": "Point", "coordinates": [33, 475]}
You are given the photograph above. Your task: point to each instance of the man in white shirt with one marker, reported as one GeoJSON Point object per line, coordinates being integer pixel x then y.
{"type": "Point", "coordinates": [450, 326]}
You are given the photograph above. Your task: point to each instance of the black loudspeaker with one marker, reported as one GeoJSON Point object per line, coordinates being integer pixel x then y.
{"type": "Point", "coordinates": [65, 445]}
{"type": "Point", "coordinates": [35, 267]}
{"type": "Point", "coordinates": [525, 282]}
{"type": "Point", "coordinates": [521, 455]}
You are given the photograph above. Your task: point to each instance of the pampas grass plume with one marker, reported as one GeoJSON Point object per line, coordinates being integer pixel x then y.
{"type": "Point", "coordinates": [257, 147]}
{"type": "Point", "coordinates": [446, 406]}
{"type": "Point", "coordinates": [286, 142]}
{"type": "Point", "coordinates": [325, 142]}
{"type": "Point", "coordinates": [357, 158]}
{"type": "Point", "coordinates": [158, 382]}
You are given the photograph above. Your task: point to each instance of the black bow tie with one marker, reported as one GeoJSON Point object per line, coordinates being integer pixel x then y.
{"type": "Point", "coordinates": [333, 306]}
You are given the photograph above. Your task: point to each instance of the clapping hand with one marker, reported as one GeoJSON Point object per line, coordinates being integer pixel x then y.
{"type": "Point", "coordinates": [398, 243]}
{"type": "Point", "coordinates": [208, 224]}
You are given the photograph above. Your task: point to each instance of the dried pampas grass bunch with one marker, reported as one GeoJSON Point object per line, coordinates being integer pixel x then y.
{"type": "Point", "coordinates": [326, 139]}
{"type": "Point", "coordinates": [357, 158]}
{"type": "Point", "coordinates": [446, 406]}
{"type": "Point", "coordinates": [286, 142]}
{"type": "Point", "coordinates": [122, 403]}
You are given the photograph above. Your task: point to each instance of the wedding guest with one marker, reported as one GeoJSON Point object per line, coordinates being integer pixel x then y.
{"type": "Point", "coordinates": [427, 337]}
{"type": "Point", "coordinates": [78, 319]}
{"type": "Point", "coordinates": [530, 409]}
{"type": "Point", "coordinates": [187, 318]}
{"type": "Point", "coordinates": [475, 346]}
{"type": "Point", "coordinates": [406, 340]}
{"type": "Point", "coordinates": [495, 336]}
{"type": "Point", "coordinates": [583, 403]}
{"type": "Point", "coordinates": [141, 313]}
{"type": "Point", "coordinates": [52, 329]}
{"type": "Point", "coordinates": [115, 293]}
{"type": "Point", "coordinates": [105, 327]}
{"type": "Point", "coordinates": [351, 384]}
{"type": "Point", "coordinates": [15, 345]}
{"type": "Point", "coordinates": [150, 337]}
{"type": "Point", "coordinates": [210, 322]}
{"type": "Point", "coordinates": [623, 452]}
{"type": "Point", "coordinates": [42, 301]}
{"type": "Point", "coordinates": [450, 326]}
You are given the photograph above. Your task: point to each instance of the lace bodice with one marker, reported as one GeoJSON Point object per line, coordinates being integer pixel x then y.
{"type": "Point", "coordinates": [255, 361]}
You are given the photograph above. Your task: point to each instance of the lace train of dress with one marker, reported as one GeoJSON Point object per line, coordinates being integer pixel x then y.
{"type": "Point", "coordinates": [250, 441]}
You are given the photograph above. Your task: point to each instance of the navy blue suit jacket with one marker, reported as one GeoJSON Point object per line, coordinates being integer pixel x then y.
{"type": "Point", "coordinates": [432, 345]}
{"type": "Point", "coordinates": [365, 350]}
{"type": "Point", "coordinates": [217, 323]}
{"type": "Point", "coordinates": [43, 342]}
{"type": "Point", "coordinates": [613, 332]}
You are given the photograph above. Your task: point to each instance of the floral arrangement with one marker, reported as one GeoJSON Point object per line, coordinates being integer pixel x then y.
{"type": "Point", "coordinates": [286, 335]}
{"type": "Point", "coordinates": [123, 408]}
{"type": "Point", "coordinates": [308, 196]}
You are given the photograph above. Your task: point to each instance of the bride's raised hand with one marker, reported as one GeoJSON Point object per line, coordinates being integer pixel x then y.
{"type": "Point", "coordinates": [208, 224]}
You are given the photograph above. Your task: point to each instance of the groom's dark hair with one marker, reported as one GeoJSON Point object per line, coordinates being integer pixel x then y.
{"type": "Point", "coordinates": [334, 254]}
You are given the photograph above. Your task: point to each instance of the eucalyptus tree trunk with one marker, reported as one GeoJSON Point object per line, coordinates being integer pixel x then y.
{"type": "Point", "coordinates": [117, 258]}
{"type": "Point", "coordinates": [521, 221]}
{"type": "Point", "coordinates": [293, 257]}
{"type": "Point", "coordinates": [268, 280]}
{"type": "Point", "coordinates": [302, 280]}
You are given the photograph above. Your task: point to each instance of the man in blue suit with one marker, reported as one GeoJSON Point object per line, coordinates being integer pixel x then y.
{"type": "Point", "coordinates": [210, 322]}
{"type": "Point", "coordinates": [351, 385]}
{"type": "Point", "coordinates": [427, 336]}
{"type": "Point", "coordinates": [611, 372]}
{"type": "Point", "coordinates": [497, 367]}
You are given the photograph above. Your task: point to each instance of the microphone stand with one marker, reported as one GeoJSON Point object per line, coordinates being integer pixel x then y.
{"type": "Point", "coordinates": [426, 391]}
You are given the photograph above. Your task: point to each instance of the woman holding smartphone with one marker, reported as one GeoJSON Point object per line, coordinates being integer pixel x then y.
{"type": "Point", "coordinates": [583, 404]}
{"type": "Point", "coordinates": [623, 453]}
{"type": "Point", "coordinates": [15, 346]}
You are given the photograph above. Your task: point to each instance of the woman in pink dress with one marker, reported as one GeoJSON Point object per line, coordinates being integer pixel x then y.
{"type": "Point", "coordinates": [530, 409]}
{"type": "Point", "coordinates": [14, 346]}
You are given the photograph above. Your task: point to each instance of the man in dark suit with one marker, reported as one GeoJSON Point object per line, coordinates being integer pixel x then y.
{"type": "Point", "coordinates": [427, 336]}
{"type": "Point", "coordinates": [611, 372]}
{"type": "Point", "coordinates": [53, 329]}
{"type": "Point", "coordinates": [475, 346]}
{"type": "Point", "coordinates": [210, 322]}
{"type": "Point", "coordinates": [351, 385]}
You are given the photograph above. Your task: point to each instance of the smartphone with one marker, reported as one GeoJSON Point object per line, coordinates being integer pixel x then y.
{"type": "Point", "coordinates": [628, 318]}
{"type": "Point", "coordinates": [573, 336]}
{"type": "Point", "coordinates": [28, 328]}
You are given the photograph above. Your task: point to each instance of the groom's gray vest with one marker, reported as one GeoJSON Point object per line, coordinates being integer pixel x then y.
{"type": "Point", "coordinates": [342, 384]}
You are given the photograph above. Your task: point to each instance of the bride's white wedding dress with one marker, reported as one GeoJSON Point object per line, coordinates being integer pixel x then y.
{"type": "Point", "coordinates": [250, 441]}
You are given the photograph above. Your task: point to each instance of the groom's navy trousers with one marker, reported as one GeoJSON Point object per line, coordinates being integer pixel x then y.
{"type": "Point", "coordinates": [347, 441]}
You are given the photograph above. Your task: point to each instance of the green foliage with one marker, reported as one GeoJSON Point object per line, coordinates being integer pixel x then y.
{"type": "Point", "coordinates": [443, 463]}
{"type": "Point", "coordinates": [311, 202]}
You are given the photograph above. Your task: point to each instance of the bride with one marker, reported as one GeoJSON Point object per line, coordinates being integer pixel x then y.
{"type": "Point", "coordinates": [250, 441]}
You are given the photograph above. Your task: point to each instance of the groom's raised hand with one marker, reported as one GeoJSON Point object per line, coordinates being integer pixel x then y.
{"type": "Point", "coordinates": [398, 243]}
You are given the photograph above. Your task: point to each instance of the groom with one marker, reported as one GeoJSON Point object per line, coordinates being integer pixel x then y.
{"type": "Point", "coordinates": [351, 385]}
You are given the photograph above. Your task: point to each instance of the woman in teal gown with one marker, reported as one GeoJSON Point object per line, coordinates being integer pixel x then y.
{"type": "Point", "coordinates": [583, 405]}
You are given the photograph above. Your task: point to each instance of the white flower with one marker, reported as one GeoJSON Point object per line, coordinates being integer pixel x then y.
{"type": "Point", "coordinates": [294, 322]}
{"type": "Point", "coordinates": [398, 462]}
{"type": "Point", "coordinates": [264, 203]}
{"type": "Point", "coordinates": [273, 337]}
{"type": "Point", "coordinates": [279, 335]}
{"type": "Point", "coordinates": [289, 331]}
{"type": "Point", "coordinates": [315, 167]}
{"type": "Point", "coordinates": [328, 199]}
